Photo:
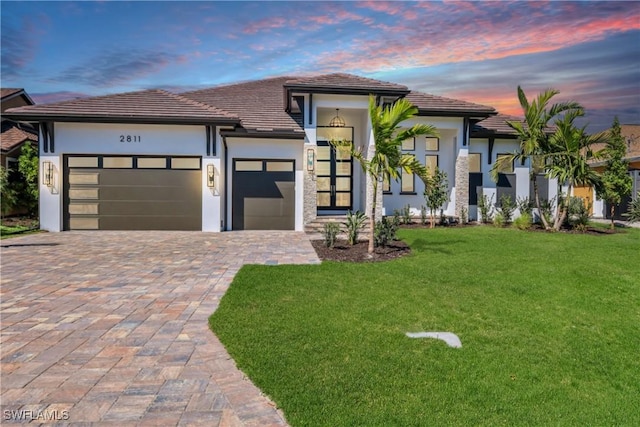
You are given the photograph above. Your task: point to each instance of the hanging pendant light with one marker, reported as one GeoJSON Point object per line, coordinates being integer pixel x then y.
{"type": "Point", "coordinates": [337, 121]}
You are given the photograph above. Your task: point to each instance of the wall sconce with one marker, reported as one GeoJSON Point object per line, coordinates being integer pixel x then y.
{"type": "Point", "coordinates": [47, 173]}
{"type": "Point", "coordinates": [311, 159]}
{"type": "Point", "coordinates": [211, 176]}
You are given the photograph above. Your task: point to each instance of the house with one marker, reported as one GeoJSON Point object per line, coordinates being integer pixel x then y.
{"type": "Point", "coordinates": [251, 155]}
{"type": "Point", "coordinates": [14, 134]}
{"type": "Point", "coordinates": [599, 208]}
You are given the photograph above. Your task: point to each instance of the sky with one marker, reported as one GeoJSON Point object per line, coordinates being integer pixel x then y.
{"type": "Point", "coordinates": [475, 51]}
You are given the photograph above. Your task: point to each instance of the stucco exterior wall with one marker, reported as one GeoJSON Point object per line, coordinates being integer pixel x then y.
{"type": "Point", "coordinates": [266, 148]}
{"type": "Point", "coordinates": [101, 138]}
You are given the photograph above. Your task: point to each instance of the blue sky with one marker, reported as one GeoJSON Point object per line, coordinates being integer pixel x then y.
{"type": "Point", "coordinates": [477, 51]}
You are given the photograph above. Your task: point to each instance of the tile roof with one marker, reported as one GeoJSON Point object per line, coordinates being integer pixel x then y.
{"type": "Point", "coordinates": [343, 82]}
{"type": "Point", "coordinates": [143, 106]}
{"type": "Point", "coordinates": [8, 91]}
{"type": "Point", "coordinates": [428, 103]}
{"type": "Point", "coordinates": [259, 104]}
{"type": "Point", "coordinates": [14, 136]}
{"type": "Point", "coordinates": [495, 125]}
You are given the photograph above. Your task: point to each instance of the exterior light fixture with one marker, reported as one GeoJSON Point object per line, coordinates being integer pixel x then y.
{"type": "Point", "coordinates": [337, 121]}
{"type": "Point", "coordinates": [211, 176]}
{"type": "Point", "coordinates": [311, 159]}
{"type": "Point", "coordinates": [47, 173]}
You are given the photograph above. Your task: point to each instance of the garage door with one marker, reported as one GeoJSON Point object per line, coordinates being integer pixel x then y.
{"type": "Point", "coordinates": [133, 193]}
{"type": "Point", "coordinates": [263, 196]}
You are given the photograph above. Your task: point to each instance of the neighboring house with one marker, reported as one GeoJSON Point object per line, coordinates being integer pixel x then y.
{"type": "Point", "coordinates": [251, 155]}
{"type": "Point", "coordinates": [14, 134]}
{"type": "Point", "coordinates": [600, 209]}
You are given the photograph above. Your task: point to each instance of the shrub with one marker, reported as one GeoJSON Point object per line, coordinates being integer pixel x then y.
{"type": "Point", "coordinates": [524, 221]}
{"type": "Point", "coordinates": [423, 215]}
{"type": "Point", "coordinates": [406, 215]}
{"type": "Point", "coordinates": [28, 192]}
{"type": "Point", "coordinates": [330, 233]}
{"type": "Point", "coordinates": [506, 207]}
{"type": "Point", "coordinates": [498, 220]}
{"type": "Point", "coordinates": [633, 213]}
{"type": "Point", "coordinates": [525, 205]}
{"type": "Point", "coordinates": [464, 215]}
{"type": "Point", "coordinates": [385, 231]}
{"type": "Point", "coordinates": [547, 206]}
{"type": "Point", "coordinates": [578, 214]}
{"type": "Point", "coordinates": [7, 192]}
{"type": "Point", "coordinates": [355, 222]}
{"type": "Point", "coordinates": [485, 208]}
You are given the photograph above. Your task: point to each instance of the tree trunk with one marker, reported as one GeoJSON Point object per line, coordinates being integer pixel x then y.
{"type": "Point", "coordinates": [536, 196]}
{"type": "Point", "coordinates": [562, 210]}
{"type": "Point", "coordinates": [372, 219]}
{"type": "Point", "coordinates": [433, 220]}
{"type": "Point", "coordinates": [612, 212]}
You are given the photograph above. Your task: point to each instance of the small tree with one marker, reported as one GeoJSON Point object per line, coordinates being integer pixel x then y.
{"type": "Point", "coordinates": [633, 213]}
{"type": "Point", "coordinates": [616, 181]}
{"type": "Point", "coordinates": [28, 193]}
{"type": "Point", "coordinates": [387, 157]}
{"type": "Point", "coordinates": [436, 194]}
{"type": "Point", "coordinates": [7, 192]}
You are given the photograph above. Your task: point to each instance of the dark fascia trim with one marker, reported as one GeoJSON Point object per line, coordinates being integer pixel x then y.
{"type": "Point", "coordinates": [490, 134]}
{"type": "Point", "coordinates": [150, 120]}
{"type": "Point", "coordinates": [237, 133]}
{"type": "Point", "coordinates": [461, 113]}
{"type": "Point", "coordinates": [346, 90]}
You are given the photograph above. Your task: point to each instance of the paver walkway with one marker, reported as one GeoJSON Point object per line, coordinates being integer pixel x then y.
{"type": "Point", "coordinates": [111, 327]}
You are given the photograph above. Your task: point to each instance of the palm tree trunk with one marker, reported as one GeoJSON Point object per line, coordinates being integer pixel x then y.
{"type": "Point", "coordinates": [536, 196]}
{"type": "Point", "coordinates": [372, 218]}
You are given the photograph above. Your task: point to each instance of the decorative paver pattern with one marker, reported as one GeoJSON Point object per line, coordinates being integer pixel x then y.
{"type": "Point", "coordinates": [111, 327]}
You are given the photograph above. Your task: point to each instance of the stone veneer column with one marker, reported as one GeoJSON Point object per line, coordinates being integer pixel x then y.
{"type": "Point", "coordinates": [462, 183]}
{"type": "Point", "coordinates": [310, 200]}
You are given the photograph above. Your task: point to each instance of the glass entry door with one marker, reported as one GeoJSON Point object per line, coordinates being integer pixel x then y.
{"type": "Point", "coordinates": [333, 177]}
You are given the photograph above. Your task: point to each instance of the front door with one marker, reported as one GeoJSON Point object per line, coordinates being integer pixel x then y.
{"type": "Point", "coordinates": [334, 177]}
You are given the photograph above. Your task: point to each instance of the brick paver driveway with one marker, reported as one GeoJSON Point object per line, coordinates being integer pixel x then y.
{"type": "Point", "coordinates": [111, 327]}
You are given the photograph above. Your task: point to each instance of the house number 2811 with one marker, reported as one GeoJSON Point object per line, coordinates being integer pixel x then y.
{"type": "Point", "coordinates": [130, 138]}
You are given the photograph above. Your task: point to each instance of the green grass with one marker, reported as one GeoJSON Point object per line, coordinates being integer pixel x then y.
{"type": "Point", "coordinates": [549, 323]}
{"type": "Point", "coordinates": [13, 231]}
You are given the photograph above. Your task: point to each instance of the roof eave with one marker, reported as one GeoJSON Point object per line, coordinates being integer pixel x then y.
{"type": "Point", "coordinates": [480, 115]}
{"type": "Point", "coordinates": [88, 118]}
{"type": "Point", "coordinates": [270, 134]}
{"type": "Point", "coordinates": [345, 90]}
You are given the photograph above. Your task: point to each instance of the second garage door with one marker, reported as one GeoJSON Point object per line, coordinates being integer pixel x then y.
{"type": "Point", "coordinates": [263, 196]}
{"type": "Point", "coordinates": [133, 193]}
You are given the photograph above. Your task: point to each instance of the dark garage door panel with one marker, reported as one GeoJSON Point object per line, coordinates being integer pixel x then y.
{"type": "Point", "coordinates": [263, 200]}
{"type": "Point", "coordinates": [139, 199]}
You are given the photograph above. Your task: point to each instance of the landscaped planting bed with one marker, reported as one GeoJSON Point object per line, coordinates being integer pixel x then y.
{"type": "Point", "coordinates": [549, 324]}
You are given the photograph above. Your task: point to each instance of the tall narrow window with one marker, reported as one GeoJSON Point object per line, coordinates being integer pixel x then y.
{"type": "Point", "coordinates": [475, 162]}
{"type": "Point", "coordinates": [407, 182]}
{"type": "Point", "coordinates": [431, 163]}
{"type": "Point", "coordinates": [505, 167]}
{"type": "Point", "coordinates": [386, 184]}
{"type": "Point", "coordinates": [432, 143]}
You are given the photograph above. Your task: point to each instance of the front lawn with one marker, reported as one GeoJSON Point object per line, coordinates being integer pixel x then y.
{"type": "Point", "coordinates": [549, 324]}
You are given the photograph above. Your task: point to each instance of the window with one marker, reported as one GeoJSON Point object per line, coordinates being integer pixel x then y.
{"type": "Point", "coordinates": [386, 184]}
{"type": "Point", "coordinates": [506, 167]}
{"type": "Point", "coordinates": [432, 144]}
{"type": "Point", "coordinates": [185, 163]}
{"type": "Point", "coordinates": [248, 165]}
{"type": "Point", "coordinates": [431, 163]}
{"type": "Point", "coordinates": [407, 182]}
{"type": "Point", "coordinates": [475, 160]}
{"type": "Point", "coordinates": [152, 163]}
{"type": "Point", "coordinates": [117, 162]}
{"type": "Point", "coordinates": [409, 144]}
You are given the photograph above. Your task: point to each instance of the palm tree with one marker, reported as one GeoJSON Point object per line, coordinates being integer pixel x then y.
{"type": "Point", "coordinates": [533, 134]}
{"type": "Point", "coordinates": [387, 159]}
{"type": "Point", "coordinates": [570, 149]}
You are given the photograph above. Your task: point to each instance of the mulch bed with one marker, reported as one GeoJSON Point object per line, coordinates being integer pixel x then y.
{"type": "Point", "coordinates": [344, 252]}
